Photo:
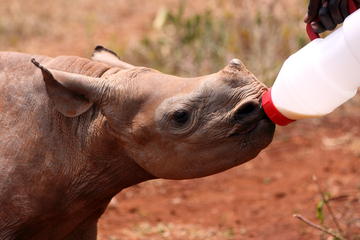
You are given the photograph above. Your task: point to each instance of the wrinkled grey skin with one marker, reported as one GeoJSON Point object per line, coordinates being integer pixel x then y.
{"type": "Point", "coordinates": [75, 132]}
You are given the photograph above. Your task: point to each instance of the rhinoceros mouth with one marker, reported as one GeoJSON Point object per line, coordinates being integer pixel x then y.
{"type": "Point", "coordinates": [260, 126]}
{"type": "Point", "coordinates": [242, 131]}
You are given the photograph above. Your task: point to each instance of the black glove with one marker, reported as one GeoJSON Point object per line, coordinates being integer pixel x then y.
{"type": "Point", "coordinates": [326, 14]}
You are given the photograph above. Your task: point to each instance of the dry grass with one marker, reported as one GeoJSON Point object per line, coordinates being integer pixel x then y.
{"type": "Point", "coordinates": [173, 231]}
{"type": "Point", "coordinates": [262, 33]}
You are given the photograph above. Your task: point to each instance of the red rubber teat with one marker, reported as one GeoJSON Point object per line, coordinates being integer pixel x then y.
{"type": "Point", "coordinates": [273, 114]}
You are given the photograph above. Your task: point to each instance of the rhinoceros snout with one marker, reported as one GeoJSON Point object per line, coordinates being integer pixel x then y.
{"type": "Point", "coordinates": [247, 117]}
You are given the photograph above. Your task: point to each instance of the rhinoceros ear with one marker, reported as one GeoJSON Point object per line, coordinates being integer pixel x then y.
{"type": "Point", "coordinates": [109, 57]}
{"type": "Point", "coordinates": [72, 94]}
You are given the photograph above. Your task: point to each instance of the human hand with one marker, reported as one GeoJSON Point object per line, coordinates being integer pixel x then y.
{"type": "Point", "coordinates": [326, 14]}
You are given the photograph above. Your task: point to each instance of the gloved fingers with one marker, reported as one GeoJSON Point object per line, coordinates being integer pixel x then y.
{"type": "Point", "coordinates": [334, 8]}
{"type": "Point", "coordinates": [326, 14]}
{"type": "Point", "coordinates": [318, 27]}
{"type": "Point", "coordinates": [325, 17]}
{"type": "Point", "coordinates": [313, 10]}
{"type": "Point", "coordinates": [344, 8]}
{"type": "Point", "coordinates": [357, 2]}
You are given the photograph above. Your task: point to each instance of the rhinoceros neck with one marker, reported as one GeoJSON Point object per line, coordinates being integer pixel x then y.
{"type": "Point", "coordinates": [70, 181]}
{"type": "Point", "coordinates": [93, 158]}
{"type": "Point", "coordinates": [110, 166]}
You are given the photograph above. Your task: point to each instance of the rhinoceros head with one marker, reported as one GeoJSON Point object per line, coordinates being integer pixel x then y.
{"type": "Point", "coordinates": [173, 127]}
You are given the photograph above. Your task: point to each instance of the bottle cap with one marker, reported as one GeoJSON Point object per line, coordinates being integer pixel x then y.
{"type": "Point", "coordinates": [273, 114]}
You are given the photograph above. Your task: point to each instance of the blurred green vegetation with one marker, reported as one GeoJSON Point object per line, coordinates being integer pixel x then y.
{"type": "Point", "coordinates": [180, 37]}
{"type": "Point", "coordinates": [202, 43]}
{"type": "Point", "coordinates": [182, 44]}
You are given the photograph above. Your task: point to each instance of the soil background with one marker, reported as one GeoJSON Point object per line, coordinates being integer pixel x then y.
{"type": "Point", "coordinates": [256, 200]}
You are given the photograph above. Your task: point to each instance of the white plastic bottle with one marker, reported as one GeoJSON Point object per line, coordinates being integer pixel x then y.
{"type": "Point", "coordinates": [319, 77]}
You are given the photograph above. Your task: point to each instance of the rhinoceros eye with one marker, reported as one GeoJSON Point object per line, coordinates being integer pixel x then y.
{"type": "Point", "coordinates": [181, 116]}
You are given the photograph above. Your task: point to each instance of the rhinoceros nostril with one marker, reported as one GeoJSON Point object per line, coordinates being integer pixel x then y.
{"type": "Point", "coordinates": [246, 109]}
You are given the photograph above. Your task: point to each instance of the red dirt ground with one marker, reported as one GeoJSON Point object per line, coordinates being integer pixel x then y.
{"type": "Point", "coordinates": [255, 200]}
{"type": "Point", "coordinates": [252, 201]}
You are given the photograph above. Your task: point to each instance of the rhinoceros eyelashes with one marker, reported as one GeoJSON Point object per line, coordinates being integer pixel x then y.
{"type": "Point", "coordinates": [181, 116]}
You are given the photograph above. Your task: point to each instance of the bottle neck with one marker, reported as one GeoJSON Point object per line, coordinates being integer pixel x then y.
{"type": "Point", "coordinates": [272, 112]}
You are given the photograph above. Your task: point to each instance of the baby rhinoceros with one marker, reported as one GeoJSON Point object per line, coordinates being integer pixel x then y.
{"type": "Point", "coordinates": [74, 132]}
